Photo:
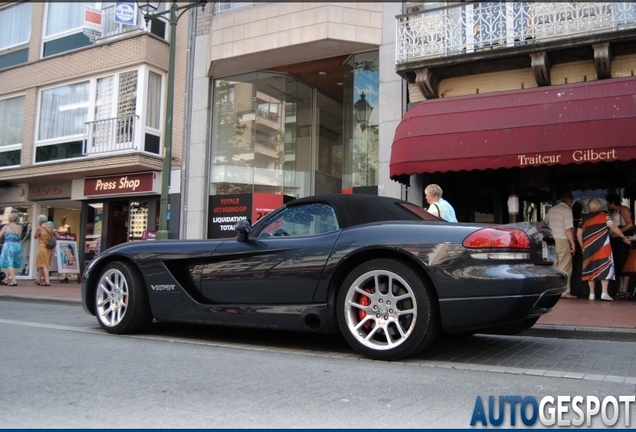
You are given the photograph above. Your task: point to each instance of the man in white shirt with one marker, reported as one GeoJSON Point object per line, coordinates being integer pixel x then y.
{"type": "Point", "coordinates": [560, 220]}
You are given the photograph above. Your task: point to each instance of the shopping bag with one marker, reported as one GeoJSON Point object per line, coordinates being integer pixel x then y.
{"type": "Point", "coordinates": [630, 264]}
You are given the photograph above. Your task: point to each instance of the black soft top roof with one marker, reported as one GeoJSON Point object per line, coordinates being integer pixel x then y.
{"type": "Point", "coordinates": [361, 209]}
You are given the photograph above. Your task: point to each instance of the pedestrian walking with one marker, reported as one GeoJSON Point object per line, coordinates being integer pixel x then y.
{"type": "Point", "coordinates": [11, 255]}
{"type": "Point", "coordinates": [561, 222]}
{"type": "Point", "coordinates": [598, 263]}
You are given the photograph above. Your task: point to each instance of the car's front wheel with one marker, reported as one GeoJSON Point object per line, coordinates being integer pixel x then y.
{"type": "Point", "coordinates": [385, 311]}
{"type": "Point", "coordinates": [121, 299]}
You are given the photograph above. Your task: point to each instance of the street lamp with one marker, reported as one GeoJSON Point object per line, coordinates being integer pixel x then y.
{"type": "Point", "coordinates": [362, 110]}
{"type": "Point", "coordinates": [150, 11]}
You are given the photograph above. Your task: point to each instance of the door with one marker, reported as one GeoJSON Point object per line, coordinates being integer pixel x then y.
{"type": "Point", "coordinates": [282, 263]}
{"type": "Point", "coordinates": [118, 212]}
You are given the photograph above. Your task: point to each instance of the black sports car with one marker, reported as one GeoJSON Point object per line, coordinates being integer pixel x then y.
{"type": "Point", "coordinates": [382, 271]}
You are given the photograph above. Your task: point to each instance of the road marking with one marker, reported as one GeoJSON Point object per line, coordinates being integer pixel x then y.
{"type": "Point", "coordinates": [339, 355]}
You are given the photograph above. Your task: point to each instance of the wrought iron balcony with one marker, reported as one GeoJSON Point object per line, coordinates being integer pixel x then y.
{"type": "Point", "coordinates": [111, 135]}
{"type": "Point", "coordinates": [470, 27]}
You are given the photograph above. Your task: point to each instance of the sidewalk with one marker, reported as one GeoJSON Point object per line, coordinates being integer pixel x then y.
{"type": "Point", "coordinates": [58, 292]}
{"type": "Point", "coordinates": [589, 319]}
{"type": "Point", "coordinates": [570, 318]}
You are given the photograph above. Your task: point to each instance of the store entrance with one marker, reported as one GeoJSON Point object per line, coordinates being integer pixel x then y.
{"type": "Point", "coordinates": [108, 223]}
{"type": "Point", "coordinates": [118, 223]}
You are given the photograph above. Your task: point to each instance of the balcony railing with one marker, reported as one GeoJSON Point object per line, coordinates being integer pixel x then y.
{"type": "Point", "coordinates": [272, 116]}
{"type": "Point", "coordinates": [110, 28]}
{"type": "Point", "coordinates": [466, 28]}
{"type": "Point", "coordinates": [110, 135]}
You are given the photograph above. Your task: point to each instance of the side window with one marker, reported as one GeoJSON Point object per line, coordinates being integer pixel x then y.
{"type": "Point", "coordinates": [310, 219]}
{"type": "Point", "coordinates": [15, 33]}
{"type": "Point", "coordinates": [11, 123]}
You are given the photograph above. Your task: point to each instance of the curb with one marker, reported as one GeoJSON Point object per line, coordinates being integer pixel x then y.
{"type": "Point", "coordinates": [571, 332]}
{"type": "Point", "coordinates": [550, 331]}
{"type": "Point", "coordinates": [38, 299]}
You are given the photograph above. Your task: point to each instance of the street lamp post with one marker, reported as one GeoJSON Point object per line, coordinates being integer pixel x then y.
{"type": "Point", "coordinates": [362, 110]}
{"type": "Point", "coordinates": [150, 11]}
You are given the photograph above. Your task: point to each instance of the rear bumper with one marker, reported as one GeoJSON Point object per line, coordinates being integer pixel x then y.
{"type": "Point", "coordinates": [513, 297]}
{"type": "Point", "coordinates": [479, 313]}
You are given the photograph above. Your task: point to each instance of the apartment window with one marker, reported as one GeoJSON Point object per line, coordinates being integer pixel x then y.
{"type": "Point", "coordinates": [104, 97]}
{"type": "Point", "coordinates": [153, 107]}
{"type": "Point", "coordinates": [113, 127]}
{"type": "Point", "coordinates": [153, 113]}
{"type": "Point", "coordinates": [15, 25]}
{"type": "Point", "coordinates": [15, 30]}
{"type": "Point", "coordinates": [268, 110]}
{"type": "Point", "coordinates": [63, 111]}
{"type": "Point", "coordinates": [64, 27]}
{"type": "Point", "coordinates": [99, 116]}
{"type": "Point", "coordinates": [127, 97]}
{"type": "Point", "coordinates": [226, 101]}
{"type": "Point", "coordinates": [126, 107]}
{"type": "Point", "coordinates": [11, 120]}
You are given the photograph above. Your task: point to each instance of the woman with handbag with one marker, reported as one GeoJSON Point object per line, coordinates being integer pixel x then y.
{"type": "Point", "coordinates": [622, 217]}
{"type": "Point", "coordinates": [43, 259]}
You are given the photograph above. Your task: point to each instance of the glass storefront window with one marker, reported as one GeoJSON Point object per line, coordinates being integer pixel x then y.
{"type": "Point", "coordinates": [274, 134]}
{"type": "Point", "coordinates": [262, 135]}
{"type": "Point", "coordinates": [297, 162]}
{"type": "Point", "coordinates": [361, 120]}
{"type": "Point", "coordinates": [94, 223]}
{"type": "Point", "coordinates": [329, 149]}
{"type": "Point", "coordinates": [115, 221]}
{"type": "Point", "coordinates": [138, 220]}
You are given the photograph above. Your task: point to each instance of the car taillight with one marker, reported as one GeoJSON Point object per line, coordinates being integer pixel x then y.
{"type": "Point", "coordinates": [496, 238]}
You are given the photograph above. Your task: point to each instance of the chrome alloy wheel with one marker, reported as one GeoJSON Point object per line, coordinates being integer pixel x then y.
{"type": "Point", "coordinates": [112, 297]}
{"type": "Point", "coordinates": [380, 309]}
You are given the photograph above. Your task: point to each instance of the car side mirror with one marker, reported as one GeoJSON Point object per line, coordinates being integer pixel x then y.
{"type": "Point", "coordinates": [243, 228]}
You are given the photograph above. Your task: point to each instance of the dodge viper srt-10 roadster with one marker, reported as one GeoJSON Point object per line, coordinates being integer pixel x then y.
{"type": "Point", "coordinates": [385, 273]}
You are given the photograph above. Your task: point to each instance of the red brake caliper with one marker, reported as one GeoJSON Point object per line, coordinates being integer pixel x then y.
{"type": "Point", "coordinates": [364, 301]}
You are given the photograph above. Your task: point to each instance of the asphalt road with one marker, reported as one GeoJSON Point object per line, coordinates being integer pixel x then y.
{"type": "Point", "coordinates": [58, 369]}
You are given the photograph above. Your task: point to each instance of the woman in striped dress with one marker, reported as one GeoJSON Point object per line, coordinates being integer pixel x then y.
{"type": "Point", "coordinates": [593, 235]}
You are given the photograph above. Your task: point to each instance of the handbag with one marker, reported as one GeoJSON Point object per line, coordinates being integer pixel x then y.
{"type": "Point", "coordinates": [630, 264]}
{"type": "Point", "coordinates": [51, 242]}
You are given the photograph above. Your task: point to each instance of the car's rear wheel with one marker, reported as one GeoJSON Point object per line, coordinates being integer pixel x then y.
{"type": "Point", "coordinates": [121, 299]}
{"type": "Point", "coordinates": [385, 311]}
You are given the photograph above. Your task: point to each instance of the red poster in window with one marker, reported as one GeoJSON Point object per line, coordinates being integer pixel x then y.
{"type": "Point", "coordinates": [264, 203]}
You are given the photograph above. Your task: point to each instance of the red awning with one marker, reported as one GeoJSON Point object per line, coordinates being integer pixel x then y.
{"type": "Point", "coordinates": [559, 125]}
